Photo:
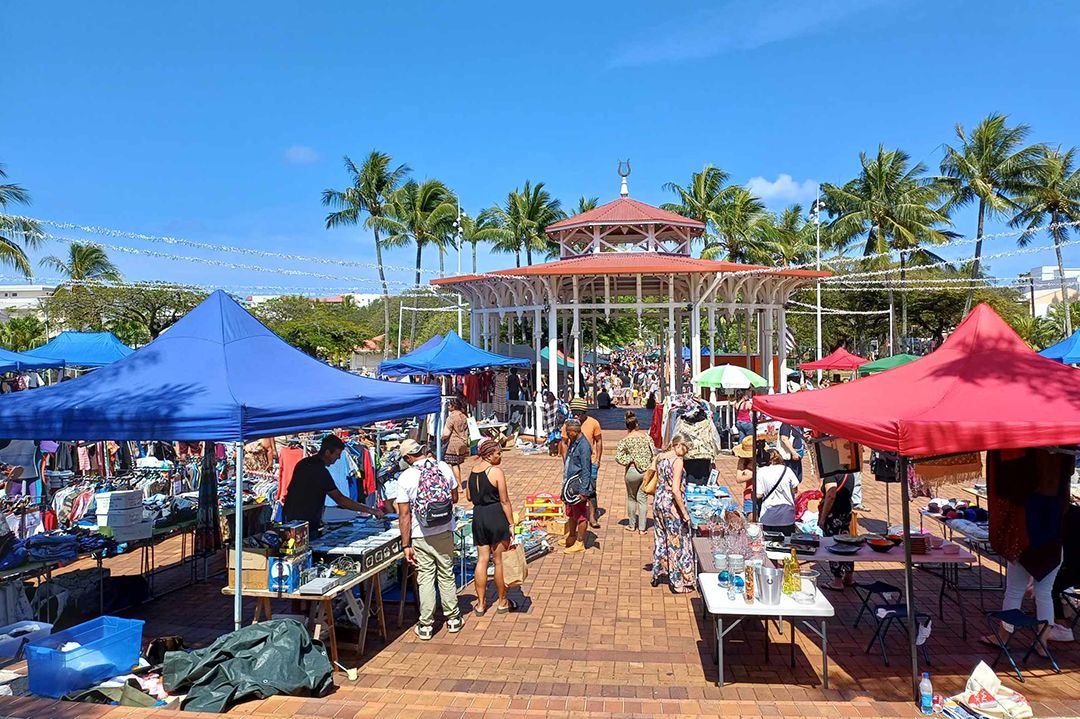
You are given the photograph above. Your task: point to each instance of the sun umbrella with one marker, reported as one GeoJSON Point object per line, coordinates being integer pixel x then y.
{"type": "Point", "coordinates": [885, 363]}
{"type": "Point", "coordinates": [729, 376]}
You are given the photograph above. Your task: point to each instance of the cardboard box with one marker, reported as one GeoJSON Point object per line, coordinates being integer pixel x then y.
{"type": "Point", "coordinates": [251, 558]}
{"type": "Point", "coordinates": [286, 573]}
{"type": "Point", "coordinates": [128, 533]}
{"type": "Point", "coordinates": [120, 517]}
{"type": "Point", "coordinates": [124, 499]}
{"type": "Point", "coordinates": [249, 578]}
{"type": "Point", "coordinates": [294, 537]}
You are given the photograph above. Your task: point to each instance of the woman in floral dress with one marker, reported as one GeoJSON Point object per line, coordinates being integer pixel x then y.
{"type": "Point", "coordinates": [673, 550]}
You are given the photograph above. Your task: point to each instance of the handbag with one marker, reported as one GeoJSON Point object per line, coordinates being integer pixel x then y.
{"type": "Point", "coordinates": [649, 481]}
{"type": "Point", "coordinates": [515, 568]}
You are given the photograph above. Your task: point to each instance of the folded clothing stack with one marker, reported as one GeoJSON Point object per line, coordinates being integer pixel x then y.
{"type": "Point", "coordinates": [52, 547]}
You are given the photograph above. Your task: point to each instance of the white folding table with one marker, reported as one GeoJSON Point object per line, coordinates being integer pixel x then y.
{"type": "Point", "coordinates": [718, 604]}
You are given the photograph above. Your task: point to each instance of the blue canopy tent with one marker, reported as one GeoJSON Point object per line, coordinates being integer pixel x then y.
{"type": "Point", "coordinates": [1067, 351]}
{"type": "Point", "coordinates": [11, 361]}
{"type": "Point", "coordinates": [217, 375]}
{"type": "Point", "coordinates": [83, 349]}
{"type": "Point", "coordinates": [686, 353]}
{"type": "Point", "coordinates": [452, 355]}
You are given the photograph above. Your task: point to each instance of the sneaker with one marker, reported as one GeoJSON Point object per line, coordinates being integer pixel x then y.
{"type": "Point", "coordinates": [454, 625]}
{"type": "Point", "coordinates": [423, 632]}
{"type": "Point", "coordinates": [1058, 633]}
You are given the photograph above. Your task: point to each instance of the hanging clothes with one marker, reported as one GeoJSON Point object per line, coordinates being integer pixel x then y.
{"type": "Point", "coordinates": [287, 459]}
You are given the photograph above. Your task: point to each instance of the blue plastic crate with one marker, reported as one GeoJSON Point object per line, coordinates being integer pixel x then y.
{"type": "Point", "coordinates": [108, 646]}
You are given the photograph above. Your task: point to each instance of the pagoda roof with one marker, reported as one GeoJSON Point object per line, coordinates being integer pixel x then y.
{"type": "Point", "coordinates": [631, 263]}
{"type": "Point", "coordinates": [625, 211]}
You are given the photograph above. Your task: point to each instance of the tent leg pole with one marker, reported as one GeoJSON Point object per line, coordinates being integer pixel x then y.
{"type": "Point", "coordinates": [438, 428]}
{"type": "Point", "coordinates": [909, 588]}
{"type": "Point", "coordinates": [753, 465]}
{"type": "Point", "coordinates": [238, 539]}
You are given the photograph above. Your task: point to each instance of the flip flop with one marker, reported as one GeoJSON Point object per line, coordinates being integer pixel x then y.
{"type": "Point", "coordinates": [511, 606]}
{"type": "Point", "coordinates": [479, 612]}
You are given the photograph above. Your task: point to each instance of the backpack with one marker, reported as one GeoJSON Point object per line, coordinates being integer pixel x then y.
{"type": "Point", "coordinates": [434, 502]}
{"type": "Point", "coordinates": [571, 489]}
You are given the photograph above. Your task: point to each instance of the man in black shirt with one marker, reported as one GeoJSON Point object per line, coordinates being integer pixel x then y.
{"type": "Point", "coordinates": [311, 484]}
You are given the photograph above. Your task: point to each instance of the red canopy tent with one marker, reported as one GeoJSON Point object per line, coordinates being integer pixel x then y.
{"type": "Point", "coordinates": [984, 388]}
{"type": "Point", "coordinates": [840, 359]}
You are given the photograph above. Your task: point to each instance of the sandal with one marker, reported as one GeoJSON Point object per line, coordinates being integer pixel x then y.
{"type": "Point", "coordinates": [511, 606]}
{"type": "Point", "coordinates": [479, 611]}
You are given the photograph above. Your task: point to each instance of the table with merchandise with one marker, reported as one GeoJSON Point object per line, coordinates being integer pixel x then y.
{"type": "Point", "coordinates": [721, 603]}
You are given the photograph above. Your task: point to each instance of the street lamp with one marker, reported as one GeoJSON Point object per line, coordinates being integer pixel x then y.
{"type": "Point", "coordinates": [815, 216]}
{"type": "Point", "coordinates": [459, 236]}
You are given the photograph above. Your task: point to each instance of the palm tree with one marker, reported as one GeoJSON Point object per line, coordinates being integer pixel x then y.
{"type": "Point", "coordinates": [372, 184]}
{"type": "Point", "coordinates": [422, 213]}
{"type": "Point", "coordinates": [890, 206]}
{"type": "Point", "coordinates": [990, 165]}
{"type": "Point", "coordinates": [521, 221]}
{"type": "Point", "coordinates": [1054, 196]}
{"type": "Point", "coordinates": [16, 232]}
{"type": "Point", "coordinates": [584, 204]}
{"type": "Point", "coordinates": [86, 262]}
{"type": "Point", "coordinates": [475, 231]}
{"type": "Point", "coordinates": [702, 199]}
{"type": "Point", "coordinates": [22, 333]}
{"type": "Point", "coordinates": [791, 238]}
{"type": "Point", "coordinates": [743, 227]}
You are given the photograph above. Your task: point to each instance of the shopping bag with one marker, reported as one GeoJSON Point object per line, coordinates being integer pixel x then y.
{"type": "Point", "coordinates": [515, 569]}
{"type": "Point", "coordinates": [474, 431]}
{"type": "Point", "coordinates": [988, 697]}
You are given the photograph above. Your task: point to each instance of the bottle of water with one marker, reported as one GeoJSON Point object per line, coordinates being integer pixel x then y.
{"type": "Point", "coordinates": [926, 695]}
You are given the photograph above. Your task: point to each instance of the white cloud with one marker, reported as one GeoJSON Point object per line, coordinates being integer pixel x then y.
{"type": "Point", "coordinates": [783, 190]}
{"type": "Point", "coordinates": [734, 26]}
{"type": "Point", "coordinates": [301, 155]}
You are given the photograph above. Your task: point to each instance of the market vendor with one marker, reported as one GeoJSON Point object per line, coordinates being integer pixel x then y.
{"type": "Point", "coordinates": [311, 484]}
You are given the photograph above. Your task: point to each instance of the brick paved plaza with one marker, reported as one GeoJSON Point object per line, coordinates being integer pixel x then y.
{"type": "Point", "coordinates": [595, 639]}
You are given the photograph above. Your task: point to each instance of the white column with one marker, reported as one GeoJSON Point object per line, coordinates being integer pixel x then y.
{"type": "Point", "coordinates": [539, 377]}
{"type": "Point", "coordinates": [769, 362]}
{"type": "Point", "coordinates": [575, 330]}
{"type": "Point", "coordinates": [712, 344]}
{"type": "Point", "coordinates": [553, 347]}
{"type": "Point", "coordinates": [781, 338]}
{"type": "Point", "coordinates": [695, 336]}
{"type": "Point", "coordinates": [474, 326]}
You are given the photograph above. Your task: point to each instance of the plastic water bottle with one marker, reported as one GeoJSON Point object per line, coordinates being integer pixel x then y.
{"type": "Point", "coordinates": [926, 695]}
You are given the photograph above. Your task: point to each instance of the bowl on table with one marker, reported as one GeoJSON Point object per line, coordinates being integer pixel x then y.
{"type": "Point", "coordinates": [838, 548]}
{"type": "Point", "coordinates": [880, 545]}
{"type": "Point", "coordinates": [895, 539]}
{"type": "Point", "coordinates": [849, 539]}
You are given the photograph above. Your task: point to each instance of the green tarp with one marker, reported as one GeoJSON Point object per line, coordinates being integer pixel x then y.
{"type": "Point", "coordinates": [258, 661]}
{"type": "Point", "coordinates": [880, 365]}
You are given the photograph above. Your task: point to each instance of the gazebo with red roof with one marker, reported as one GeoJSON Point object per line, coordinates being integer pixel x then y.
{"type": "Point", "coordinates": [626, 256]}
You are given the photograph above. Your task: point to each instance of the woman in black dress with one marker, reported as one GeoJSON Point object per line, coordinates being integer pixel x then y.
{"type": "Point", "coordinates": [492, 519]}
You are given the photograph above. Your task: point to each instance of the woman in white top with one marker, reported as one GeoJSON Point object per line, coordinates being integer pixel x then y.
{"type": "Point", "coordinates": [776, 486]}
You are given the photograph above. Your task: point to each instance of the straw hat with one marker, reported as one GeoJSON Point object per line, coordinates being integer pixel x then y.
{"type": "Point", "coordinates": [745, 449]}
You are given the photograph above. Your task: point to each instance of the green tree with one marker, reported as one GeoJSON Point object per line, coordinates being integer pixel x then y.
{"type": "Point", "coordinates": [476, 230]}
{"type": "Point", "coordinates": [86, 262]}
{"type": "Point", "coordinates": [744, 228]}
{"type": "Point", "coordinates": [792, 238]}
{"type": "Point", "coordinates": [22, 333]}
{"type": "Point", "coordinates": [703, 199]}
{"type": "Point", "coordinates": [326, 330]}
{"type": "Point", "coordinates": [890, 207]}
{"type": "Point", "coordinates": [371, 185]}
{"type": "Point", "coordinates": [1054, 197]}
{"type": "Point", "coordinates": [140, 312]}
{"type": "Point", "coordinates": [991, 166]}
{"type": "Point", "coordinates": [16, 232]}
{"type": "Point", "coordinates": [520, 222]}
{"type": "Point", "coordinates": [584, 204]}
{"type": "Point", "coordinates": [1039, 332]}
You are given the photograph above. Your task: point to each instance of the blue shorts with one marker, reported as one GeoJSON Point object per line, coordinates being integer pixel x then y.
{"type": "Point", "coordinates": [748, 506]}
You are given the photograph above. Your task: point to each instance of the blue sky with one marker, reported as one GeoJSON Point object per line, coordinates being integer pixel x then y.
{"type": "Point", "coordinates": [223, 122]}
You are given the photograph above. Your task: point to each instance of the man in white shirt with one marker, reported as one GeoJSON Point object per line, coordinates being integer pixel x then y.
{"type": "Point", "coordinates": [427, 492]}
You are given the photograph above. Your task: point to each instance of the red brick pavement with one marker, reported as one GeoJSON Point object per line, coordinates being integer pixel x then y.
{"type": "Point", "coordinates": [593, 636]}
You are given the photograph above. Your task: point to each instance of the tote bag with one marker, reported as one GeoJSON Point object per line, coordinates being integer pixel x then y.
{"type": "Point", "coordinates": [515, 568]}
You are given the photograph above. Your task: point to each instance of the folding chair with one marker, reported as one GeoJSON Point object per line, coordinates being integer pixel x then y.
{"type": "Point", "coordinates": [894, 614]}
{"type": "Point", "coordinates": [1072, 600]}
{"type": "Point", "coordinates": [1019, 621]}
{"type": "Point", "coordinates": [866, 591]}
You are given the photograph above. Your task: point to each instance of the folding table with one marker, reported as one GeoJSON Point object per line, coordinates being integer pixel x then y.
{"type": "Point", "coordinates": [718, 604]}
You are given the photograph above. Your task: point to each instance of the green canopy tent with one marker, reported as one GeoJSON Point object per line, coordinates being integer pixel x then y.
{"type": "Point", "coordinates": [880, 365]}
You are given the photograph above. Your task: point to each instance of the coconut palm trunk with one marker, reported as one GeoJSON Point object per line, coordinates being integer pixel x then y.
{"type": "Point", "coordinates": [412, 317]}
{"type": "Point", "coordinates": [903, 298]}
{"type": "Point", "coordinates": [385, 294]}
{"type": "Point", "coordinates": [1058, 233]}
{"type": "Point", "coordinates": [978, 257]}
{"type": "Point", "coordinates": [474, 258]}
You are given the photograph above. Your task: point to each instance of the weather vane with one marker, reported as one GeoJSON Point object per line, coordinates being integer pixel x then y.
{"type": "Point", "coordinates": [624, 191]}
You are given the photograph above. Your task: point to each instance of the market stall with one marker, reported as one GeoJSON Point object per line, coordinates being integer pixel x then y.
{"type": "Point", "coordinates": [217, 375]}
{"type": "Point", "coordinates": [1067, 351]}
{"type": "Point", "coordinates": [885, 363]}
{"type": "Point", "coordinates": [839, 359]}
{"type": "Point", "coordinates": [11, 361]}
{"type": "Point", "coordinates": [983, 389]}
{"type": "Point", "coordinates": [83, 349]}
